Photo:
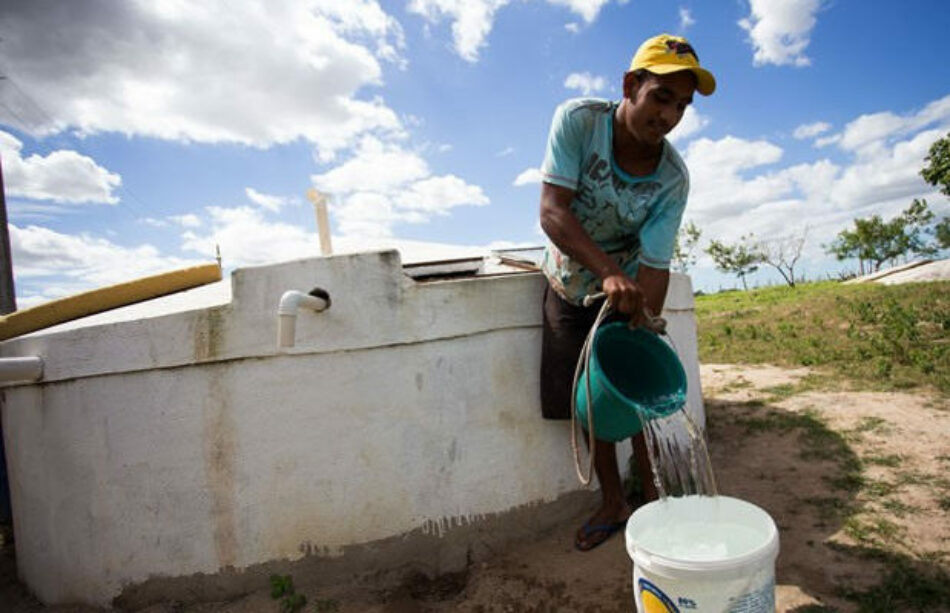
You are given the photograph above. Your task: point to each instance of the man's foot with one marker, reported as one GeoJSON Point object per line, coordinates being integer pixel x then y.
{"type": "Point", "coordinates": [604, 523]}
{"type": "Point", "coordinates": [591, 535]}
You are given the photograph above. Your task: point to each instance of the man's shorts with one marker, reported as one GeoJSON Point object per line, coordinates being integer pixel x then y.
{"type": "Point", "coordinates": [565, 328]}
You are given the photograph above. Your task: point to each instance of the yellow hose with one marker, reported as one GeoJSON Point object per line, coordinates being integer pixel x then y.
{"type": "Point", "coordinates": [106, 298]}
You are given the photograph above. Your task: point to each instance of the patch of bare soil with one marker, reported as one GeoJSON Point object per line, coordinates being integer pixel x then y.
{"type": "Point", "coordinates": [854, 480]}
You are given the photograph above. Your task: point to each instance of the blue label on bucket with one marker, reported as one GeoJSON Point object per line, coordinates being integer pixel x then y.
{"type": "Point", "coordinates": [753, 602]}
{"type": "Point", "coordinates": [654, 600]}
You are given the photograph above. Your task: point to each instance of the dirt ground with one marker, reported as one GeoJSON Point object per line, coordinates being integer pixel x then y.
{"type": "Point", "coordinates": [854, 480]}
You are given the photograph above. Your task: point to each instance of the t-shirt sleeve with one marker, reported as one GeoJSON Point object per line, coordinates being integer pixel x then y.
{"type": "Point", "coordinates": [565, 149]}
{"type": "Point", "coordinates": [658, 233]}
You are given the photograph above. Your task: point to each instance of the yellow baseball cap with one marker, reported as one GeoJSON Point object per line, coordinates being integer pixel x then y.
{"type": "Point", "coordinates": [666, 53]}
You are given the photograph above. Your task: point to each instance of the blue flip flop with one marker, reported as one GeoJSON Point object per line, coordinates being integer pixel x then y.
{"type": "Point", "coordinates": [607, 530]}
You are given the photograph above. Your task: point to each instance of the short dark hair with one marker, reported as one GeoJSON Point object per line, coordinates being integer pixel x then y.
{"type": "Point", "coordinates": [643, 74]}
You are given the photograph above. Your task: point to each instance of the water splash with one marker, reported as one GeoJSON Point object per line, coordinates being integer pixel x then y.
{"type": "Point", "coordinates": [678, 455]}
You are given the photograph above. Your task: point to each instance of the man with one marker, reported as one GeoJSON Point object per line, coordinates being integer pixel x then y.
{"type": "Point", "coordinates": [612, 198]}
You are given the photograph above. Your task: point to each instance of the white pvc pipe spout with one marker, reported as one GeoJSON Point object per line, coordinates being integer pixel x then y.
{"type": "Point", "coordinates": [21, 369]}
{"type": "Point", "coordinates": [317, 300]}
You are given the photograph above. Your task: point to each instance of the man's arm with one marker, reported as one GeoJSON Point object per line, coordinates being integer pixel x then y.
{"type": "Point", "coordinates": [653, 283]}
{"type": "Point", "coordinates": [567, 233]}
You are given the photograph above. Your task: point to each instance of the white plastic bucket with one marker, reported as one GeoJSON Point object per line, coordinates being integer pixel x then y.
{"type": "Point", "coordinates": [702, 554]}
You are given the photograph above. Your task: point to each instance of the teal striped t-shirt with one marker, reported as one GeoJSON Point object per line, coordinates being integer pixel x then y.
{"type": "Point", "coordinates": [633, 219]}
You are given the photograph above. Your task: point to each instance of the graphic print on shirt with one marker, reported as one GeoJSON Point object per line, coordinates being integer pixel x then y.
{"type": "Point", "coordinates": [610, 223]}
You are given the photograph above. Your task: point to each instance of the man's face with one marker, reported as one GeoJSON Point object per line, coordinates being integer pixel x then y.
{"type": "Point", "coordinates": [656, 104]}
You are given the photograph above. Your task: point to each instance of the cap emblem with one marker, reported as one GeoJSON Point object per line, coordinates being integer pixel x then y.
{"type": "Point", "coordinates": [681, 48]}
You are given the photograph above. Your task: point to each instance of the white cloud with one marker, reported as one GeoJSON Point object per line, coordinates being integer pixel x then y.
{"type": "Point", "coordinates": [587, 9]}
{"type": "Point", "coordinates": [367, 214]}
{"type": "Point", "coordinates": [188, 220]}
{"type": "Point", "coordinates": [870, 129]}
{"type": "Point", "coordinates": [719, 171]}
{"type": "Point", "coordinates": [439, 194]}
{"type": "Point", "coordinates": [383, 184]}
{"type": "Point", "coordinates": [686, 19]}
{"type": "Point", "coordinates": [505, 152]}
{"type": "Point", "coordinates": [585, 82]}
{"type": "Point", "coordinates": [780, 30]}
{"type": "Point", "coordinates": [374, 166]}
{"type": "Point", "coordinates": [869, 135]}
{"type": "Point", "coordinates": [811, 130]}
{"type": "Point", "coordinates": [890, 172]}
{"type": "Point", "coordinates": [252, 72]}
{"type": "Point", "coordinates": [79, 262]}
{"type": "Point", "coordinates": [247, 237]}
{"type": "Point", "coordinates": [733, 154]}
{"type": "Point", "coordinates": [472, 20]}
{"type": "Point", "coordinates": [62, 176]}
{"type": "Point", "coordinates": [827, 140]}
{"type": "Point", "coordinates": [739, 186]}
{"type": "Point", "coordinates": [271, 203]}
{"type": "Point", "coordinates": [691, 123]}
{"type": "Point", "coordinates": [528, 176]}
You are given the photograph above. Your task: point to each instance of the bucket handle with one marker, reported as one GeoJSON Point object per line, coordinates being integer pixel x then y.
{"type": "Point", "coordinates": [583, 364]}
{"type": "Point", "coordinates": [655, 324]}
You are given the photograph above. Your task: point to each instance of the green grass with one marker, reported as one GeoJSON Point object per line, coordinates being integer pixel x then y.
{"type": "Point", "coordinates": [879, 336]}
{"type": "Point", "coordinates": [890, 460]}
{"type": "Point", "coordinates": [906, 586]}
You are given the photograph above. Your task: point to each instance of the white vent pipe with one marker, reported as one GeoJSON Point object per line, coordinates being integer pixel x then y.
{"type": "Point", "coordinates": [317, 300]}
{"type": "Point", "coordinates": [21, 369]}
{"type": "Point", "coordinates": [323, 219]}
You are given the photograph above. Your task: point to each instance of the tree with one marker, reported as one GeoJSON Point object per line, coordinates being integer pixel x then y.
{"type": "Point", "coordinates": [741, 259]}
{"type": "Point", "coordinates": [942, 232]}
{"type": "Point", "coordinates": [875, 241]}
{"type": "Point", "coordinates": [916, 220]}
{"type": "Point", "coordinates": [937, 173]}
{"type": "Point", "coordinates": [783, 254]}
{"type": "Point", "coordinates": [937, 170]}
{"type": "Point", "coordinates": [684, 246]}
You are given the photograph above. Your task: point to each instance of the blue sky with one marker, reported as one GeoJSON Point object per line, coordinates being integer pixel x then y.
{"type": "Point", "coordinates": [137, 135]}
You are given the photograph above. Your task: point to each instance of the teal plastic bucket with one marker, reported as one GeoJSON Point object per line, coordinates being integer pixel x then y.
{"type": "Point", "coordinates": [629, 369]}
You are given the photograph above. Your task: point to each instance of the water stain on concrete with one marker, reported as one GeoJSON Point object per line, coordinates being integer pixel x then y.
{"type": "Point", "coordinates": [220, 454]}
{"type": "Point", "coordinates": [208, 335]}
{"type": "Point", "coordinates": [389, 562]}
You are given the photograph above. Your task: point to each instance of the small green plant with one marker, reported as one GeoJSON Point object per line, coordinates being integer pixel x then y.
{"type": "Point", "coordinates": [873, 424]}
{"type": "Point", "coordinates": [872, 531]}
{"type": "Point", "coordinates": [780, 392]}
{"type": "Point", "coordinates": [891, 460]}
{"type": "Point", "coordinates": [282, 589]}
{"type": "Point", "coordinates": [879, 489]}
{"type": "Point", "coordinates": [898, 508]}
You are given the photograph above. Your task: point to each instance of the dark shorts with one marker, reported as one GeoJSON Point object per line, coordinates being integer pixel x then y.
{"type": "Point", "coordinates": [562, 338]}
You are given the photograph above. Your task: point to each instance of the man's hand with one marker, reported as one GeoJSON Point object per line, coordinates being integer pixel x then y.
{"type": "Point", "coordinates": [624, 295]}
